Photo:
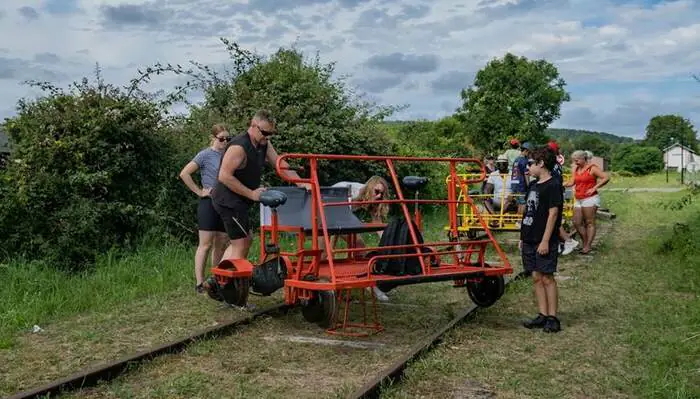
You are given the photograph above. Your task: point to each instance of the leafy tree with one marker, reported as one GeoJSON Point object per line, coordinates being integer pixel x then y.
{"type": "Point", "coordinates": [85, 173]}
{"type": "Point", "coordinates": [592, 143]}
{"type": "Point", "coordinates": [315, 113]}
{"type": "Point", "coordinates": [638, 159]}
{"type": "Point", "coordinates": [512, 97]}
{"type": "Point", "coordinates": [662, 128]}
{"type": "Point", "coordinates": [445, 137]}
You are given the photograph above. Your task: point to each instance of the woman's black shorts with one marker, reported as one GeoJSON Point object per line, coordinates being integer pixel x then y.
{"type": "Point", "coordinates": [207, 218]}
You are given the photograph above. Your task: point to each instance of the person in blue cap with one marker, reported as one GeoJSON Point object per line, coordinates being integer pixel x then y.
{"type": "Point", "coordinates": [519, 178]}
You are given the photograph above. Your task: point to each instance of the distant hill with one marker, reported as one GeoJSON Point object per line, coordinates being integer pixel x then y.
{"type": "Point", "coordinates": [572, 134]}
{"type": "Point", "coordinates": [557, 134]}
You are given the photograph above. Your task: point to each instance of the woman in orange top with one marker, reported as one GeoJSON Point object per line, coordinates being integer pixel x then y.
{"type": "Point", "coordinates": [587, 178]}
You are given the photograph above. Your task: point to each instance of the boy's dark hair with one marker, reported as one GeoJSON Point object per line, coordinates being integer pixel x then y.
{"type": "Point", "coordinates": [546, 155]}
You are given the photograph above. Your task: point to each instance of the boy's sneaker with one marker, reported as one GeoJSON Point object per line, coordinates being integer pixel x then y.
{"type": "Point", "coordinates": [569, 246]}
{"type": "Point", "coordinates": [537, 322]}
{"type": "Point", "coordinates": [552, 324]}
{"type": "Point", "coordinates": [199, 288]}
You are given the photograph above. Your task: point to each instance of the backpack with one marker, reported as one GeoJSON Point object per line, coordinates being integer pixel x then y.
{"type": "Point", "coordinates": [397, 233]}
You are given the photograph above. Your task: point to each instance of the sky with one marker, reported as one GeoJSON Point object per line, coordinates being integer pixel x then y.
{"type": "Point", "coordinates": [624, 61]}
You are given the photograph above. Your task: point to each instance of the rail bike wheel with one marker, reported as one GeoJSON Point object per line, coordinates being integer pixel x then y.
{"type": "Point", "coordinates": [213, 289]}
{"type": "Point", "coordinates": [235, 291]}
{"type": "Point", "coordinates": [322, 309]}
{"type": "Point", "coordinates": [486, 291]}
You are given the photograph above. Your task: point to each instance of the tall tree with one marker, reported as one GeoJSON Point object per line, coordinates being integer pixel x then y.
{"type": "Point", "coordinates": [512, 97]}
{"type": "Point", "coordinates": [664, 130]}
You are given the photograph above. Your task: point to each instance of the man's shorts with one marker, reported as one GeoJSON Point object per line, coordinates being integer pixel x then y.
{"type": "Point", "coordinates": [588, 202]}
{"type": "Point", "coordinates": [207, 218]}
{"type": "Point", "coordinates": [534, 262]}
{"type": "Point", "coordinates": [236, 220]}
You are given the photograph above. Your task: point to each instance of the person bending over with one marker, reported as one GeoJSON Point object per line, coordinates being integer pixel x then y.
{"type": "Point", "coordinates": [238, 186]}
{"type": "Point", "coordinates": [212, 234]}
{"type": "Point", "coordinates": [375, 189]}
{"type": "Point", "coordinates": [539, 241]}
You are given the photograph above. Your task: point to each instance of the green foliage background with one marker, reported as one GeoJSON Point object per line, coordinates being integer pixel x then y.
{"type": "Point", "coordinates": [95, 167]}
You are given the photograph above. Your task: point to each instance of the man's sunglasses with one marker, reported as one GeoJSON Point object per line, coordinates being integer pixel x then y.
{"type": "Point", "coordinates": [224, 139]}
{"type": "Point", "coordinates": [266, 133]}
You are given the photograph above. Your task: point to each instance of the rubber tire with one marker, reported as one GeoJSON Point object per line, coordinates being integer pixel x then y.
{"type": "Point", "coordinates": [322, 310]}
{"type": "Point", "coordinates": [235, 292]}
{"type": "Point", "coordinates": [214, 290]}
{"type": "Point", "coordinates": [487, 292]}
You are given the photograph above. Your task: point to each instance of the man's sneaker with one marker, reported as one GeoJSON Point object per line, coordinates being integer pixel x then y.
{"type": "Point", "coordinates": [569, 246]}
{"type": "Point", "coordinates": [381, 296]}
{"type": "Point", "coordinates": [552, 324]}
{"type": "Point", "coordinates": [537, 322]}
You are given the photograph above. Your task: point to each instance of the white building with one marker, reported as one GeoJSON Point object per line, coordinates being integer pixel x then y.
{"type": "Point", "coordinates": [677, 155]}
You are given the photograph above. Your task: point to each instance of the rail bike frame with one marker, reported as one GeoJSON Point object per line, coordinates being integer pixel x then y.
{"type": "Point", "coordinates": [306, 276]}
{"type": "Point", "coordinates": [318, 279]}
{"type": "Point", "coordinates": [469, 222]}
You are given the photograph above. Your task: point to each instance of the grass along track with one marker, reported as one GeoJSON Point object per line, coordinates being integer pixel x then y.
{"type": "Point", "coordinates": [267, 358]}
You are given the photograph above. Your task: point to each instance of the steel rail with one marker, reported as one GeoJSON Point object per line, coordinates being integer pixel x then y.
{"type": "Point", "coordinates": [111, 370]}
{"type": "Point", "coordinates": [395, 372]}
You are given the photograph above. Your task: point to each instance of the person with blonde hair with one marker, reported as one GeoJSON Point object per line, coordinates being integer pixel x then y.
{"type": "Point", "coordinates": [212, 235]}
{"type": "Point", "coordinates": [375, 189]}
{"type": "Point", "coordinates": [586, 178]}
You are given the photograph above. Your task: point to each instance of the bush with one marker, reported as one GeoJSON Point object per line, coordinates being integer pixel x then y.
{"type": "Point", "coordinates": [85, 173]}
{"type": "Point", "coordinates": [638, 159]}
{"type": "Point", "coordinates": [315, 113]}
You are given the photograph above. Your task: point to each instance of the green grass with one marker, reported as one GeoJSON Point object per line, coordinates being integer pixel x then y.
{"type": "Point", "coordinates": [631, 319]}
{"type": "Point", "coordinates": [34, 293]}
{"type": "Point", "coordinates": [654, 180]}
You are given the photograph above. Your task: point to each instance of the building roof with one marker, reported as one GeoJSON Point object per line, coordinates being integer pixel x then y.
{"type": "Point", "coordinates": [686, 148]}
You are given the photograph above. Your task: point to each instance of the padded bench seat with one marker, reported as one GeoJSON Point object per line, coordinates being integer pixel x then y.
{"type": "Point", "coordinates": [296, 211]}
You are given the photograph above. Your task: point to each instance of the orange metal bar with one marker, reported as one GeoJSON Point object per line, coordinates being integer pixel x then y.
{"type": "Point", "coordinates": [406, 213]}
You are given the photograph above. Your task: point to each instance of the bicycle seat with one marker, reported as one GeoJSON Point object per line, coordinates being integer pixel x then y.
{"type": "Point", "coordinates": [415, 182]}
{"type": "Point", "coordinates": [273, 198]}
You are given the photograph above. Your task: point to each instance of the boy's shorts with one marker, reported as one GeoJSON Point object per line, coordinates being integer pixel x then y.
{"type": "Point", "coordinates": [534, 262]}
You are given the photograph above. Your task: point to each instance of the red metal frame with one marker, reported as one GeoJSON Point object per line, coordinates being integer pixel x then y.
{"type": "Point", "coordinates": [344, 274]}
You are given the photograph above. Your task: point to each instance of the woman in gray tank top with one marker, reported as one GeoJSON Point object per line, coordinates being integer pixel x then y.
{"type": "Point", "coordinates": [212, 235]}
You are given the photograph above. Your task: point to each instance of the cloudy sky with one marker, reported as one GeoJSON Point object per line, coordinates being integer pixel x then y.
{"type": "Point", "coordinates": [624, 60]}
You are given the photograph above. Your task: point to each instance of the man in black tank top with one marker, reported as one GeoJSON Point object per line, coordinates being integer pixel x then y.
{"type": "Point", "coordinates": [238, 186]}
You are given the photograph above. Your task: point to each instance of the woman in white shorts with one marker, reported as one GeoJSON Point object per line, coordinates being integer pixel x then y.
{"type": "Point", "coordinates": [587, 178]}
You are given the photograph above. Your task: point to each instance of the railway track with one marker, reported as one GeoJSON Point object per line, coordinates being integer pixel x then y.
{"type": "Point", "coordinates": [395, 372]}
{"type": "Point", "coordinates": [112, 370]}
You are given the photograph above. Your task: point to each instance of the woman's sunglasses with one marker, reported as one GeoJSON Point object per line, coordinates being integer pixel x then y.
{"type": "Point", "coordinates": [224, 139]}
{"type": "Point", "coordinates": [378, 192]}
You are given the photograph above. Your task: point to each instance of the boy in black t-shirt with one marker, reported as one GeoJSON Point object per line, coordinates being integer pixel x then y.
{"type": "Point", "coordinates": [539, 238]}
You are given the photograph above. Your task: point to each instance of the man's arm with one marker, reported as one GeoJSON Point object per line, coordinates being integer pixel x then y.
{"type": "Point", "coordinates": [233, 158]}
{"type": "Point", "coordinates": [272, 160]}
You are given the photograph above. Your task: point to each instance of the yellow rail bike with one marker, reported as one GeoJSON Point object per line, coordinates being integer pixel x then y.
{"type": "Point", "coordinates": [505, 215]}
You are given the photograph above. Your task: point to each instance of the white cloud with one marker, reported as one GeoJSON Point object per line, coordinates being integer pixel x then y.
{"type": "Point", "coordinates": [615, 57]}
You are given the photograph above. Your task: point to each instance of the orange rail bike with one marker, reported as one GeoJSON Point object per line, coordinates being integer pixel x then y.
{"type": "Point", "coordinates": [316, 278]}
